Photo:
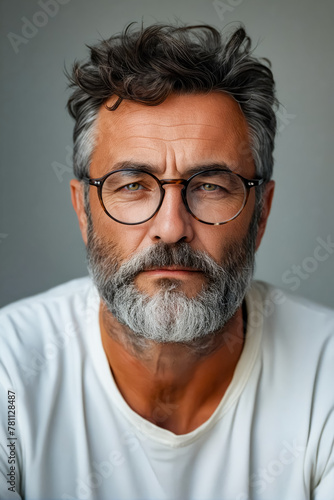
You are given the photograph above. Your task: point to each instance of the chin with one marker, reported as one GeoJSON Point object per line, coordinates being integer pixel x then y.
{"type": "Point", "coordinates": [171, 285]}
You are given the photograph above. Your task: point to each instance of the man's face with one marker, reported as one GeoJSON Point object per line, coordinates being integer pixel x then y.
{"type": "Point", "coordinates": [182, 133]}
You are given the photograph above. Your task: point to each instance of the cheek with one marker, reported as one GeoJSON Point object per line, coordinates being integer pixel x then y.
{"type": "Point", "coordinates": [125, 240]}
{"type": "Point", "coordinates": [216, 240]}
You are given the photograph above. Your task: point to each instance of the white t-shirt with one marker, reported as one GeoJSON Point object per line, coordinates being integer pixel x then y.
{"type": "Point", "coordinates": [74, 436]}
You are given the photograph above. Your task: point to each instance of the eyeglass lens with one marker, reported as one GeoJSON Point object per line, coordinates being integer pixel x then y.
{"type": "Point", "coordinates": [133, 196]}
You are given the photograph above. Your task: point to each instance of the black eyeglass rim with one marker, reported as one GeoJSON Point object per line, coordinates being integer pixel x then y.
{"type": "Point", "coordinates": [99, 181]}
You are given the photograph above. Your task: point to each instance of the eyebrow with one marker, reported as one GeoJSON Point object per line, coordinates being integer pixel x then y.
{"type": "Point", "coordinates": [147, 167]}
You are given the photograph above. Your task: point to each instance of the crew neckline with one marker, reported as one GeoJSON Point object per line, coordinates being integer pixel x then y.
{"type": "Point", "coordinates": [240, 377]}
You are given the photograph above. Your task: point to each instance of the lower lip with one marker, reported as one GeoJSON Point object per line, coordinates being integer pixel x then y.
{"type": "Point", "coordinates": [170, 272]}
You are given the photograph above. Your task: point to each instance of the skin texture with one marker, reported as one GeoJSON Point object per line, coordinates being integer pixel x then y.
{"type": "Point", "coordinates": [171, 384]}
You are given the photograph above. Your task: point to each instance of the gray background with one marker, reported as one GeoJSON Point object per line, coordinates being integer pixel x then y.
{"type": "Point", "coordinates": [40, 244]}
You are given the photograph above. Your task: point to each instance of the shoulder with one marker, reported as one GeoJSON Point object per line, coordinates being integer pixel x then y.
{"type": "Point", "coordinates": [296, 361]}
{"type": "Point", "coordinates": [36, 329]}
{"type": "Point", "coordinates": [297, 338]}
{"type": "Point", "coordinates": [290, 314]}
{"type": "Point", "coordinates": [63, 292]}
{"type": "Point", "coordinates": [34, 312]}
{"type": "Point", "coordinates": [297, 346]}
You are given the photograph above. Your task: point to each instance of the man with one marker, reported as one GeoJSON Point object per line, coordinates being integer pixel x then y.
{"type": "Point", "coordinates": [171, 376]}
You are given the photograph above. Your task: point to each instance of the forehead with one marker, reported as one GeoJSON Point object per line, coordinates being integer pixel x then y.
{"type": "Point", "coordinates": [183, 131]}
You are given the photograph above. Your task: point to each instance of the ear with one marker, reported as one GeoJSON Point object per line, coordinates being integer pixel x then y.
{"type": "Point", "coordinates": [77, 196]}
{"type": "Point", "coordinates": [267, 200]}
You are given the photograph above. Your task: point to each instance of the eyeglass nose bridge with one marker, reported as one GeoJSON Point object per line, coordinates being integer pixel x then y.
{"type": "Point", "coordinates": [179, 182]}
{"type": "Point", "coordinates": [173, 181]}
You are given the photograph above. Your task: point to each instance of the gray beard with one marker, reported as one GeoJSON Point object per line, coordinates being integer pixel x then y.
{"type": "Point", "coordinates": [169, 315]}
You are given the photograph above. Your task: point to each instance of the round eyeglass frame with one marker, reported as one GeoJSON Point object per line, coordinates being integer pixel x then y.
{"type": "Point", "coordinates": [99, 181]}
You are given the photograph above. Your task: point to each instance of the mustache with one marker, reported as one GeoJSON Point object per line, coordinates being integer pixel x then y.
{"type": "Point", "coordinates": [162, 254]}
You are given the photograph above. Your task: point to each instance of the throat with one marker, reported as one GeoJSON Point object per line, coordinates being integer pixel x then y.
{"type": "Point", "coordinates": [173, 385]}
{"type": "Point", "coordinates": [182, 412]}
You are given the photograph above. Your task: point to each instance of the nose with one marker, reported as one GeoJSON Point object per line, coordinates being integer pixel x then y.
{"type": "Point", "coordinates": [172, 223]}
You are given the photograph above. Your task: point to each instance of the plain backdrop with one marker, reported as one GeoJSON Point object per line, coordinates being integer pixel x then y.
{"type": "Point", "coordinates": [40, 243]}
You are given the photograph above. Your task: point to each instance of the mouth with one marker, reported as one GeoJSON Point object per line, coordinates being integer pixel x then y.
{"type": "Point", "coordinates": [171, 270]}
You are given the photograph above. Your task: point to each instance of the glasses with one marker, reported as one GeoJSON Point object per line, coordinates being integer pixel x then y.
{"type": "Point", "coordinates": [134, 196]}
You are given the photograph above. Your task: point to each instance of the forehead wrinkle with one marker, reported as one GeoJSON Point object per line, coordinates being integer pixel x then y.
{"type": "Point", "coordinates": [163, 139]}
{"type": "Point", "coordinates": [130, 128]}
{"type": "Point", "coordinates": [240, 131]}
{"type": "Point", "coordinates": [239, 123]}
{"type": "Point", "coordinates": [145, 148]}
{"type": "Point", "coordinates": [174, 125]}
{"type": "Point", "coordinates": [189, 169]}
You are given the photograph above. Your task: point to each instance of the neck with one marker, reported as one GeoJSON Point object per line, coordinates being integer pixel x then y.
{"type": "Point", "coordinates": [175, 386]}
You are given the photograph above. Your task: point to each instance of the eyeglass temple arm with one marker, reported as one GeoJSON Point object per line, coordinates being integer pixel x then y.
{"type": "Point", "coordinates": [92, 182]}
{"type": "Point", "coordinates": [252, 182]}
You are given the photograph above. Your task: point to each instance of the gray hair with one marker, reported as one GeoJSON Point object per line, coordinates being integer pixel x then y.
{"type": "Point", "coordinates": [152, 63]}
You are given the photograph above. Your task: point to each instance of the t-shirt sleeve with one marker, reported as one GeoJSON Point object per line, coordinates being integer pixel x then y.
{"type": "Point", "coordinates": [324, 489]}
{"type": "Point", "coordinates": [322, 427]}
{"type": "Point", "coordinates": [10, 442]}
{"type": "Point", "coordinates": [9, 446]}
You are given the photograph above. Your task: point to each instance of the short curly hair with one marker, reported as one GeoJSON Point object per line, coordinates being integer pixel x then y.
{"type": "Point", "coordinates": [147, 65]}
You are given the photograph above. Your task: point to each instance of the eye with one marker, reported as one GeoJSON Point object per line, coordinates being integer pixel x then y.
{"type": "Point", "coordinates": [134, 186]}
{"type": "Point", "coordinates": [209, 187]}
